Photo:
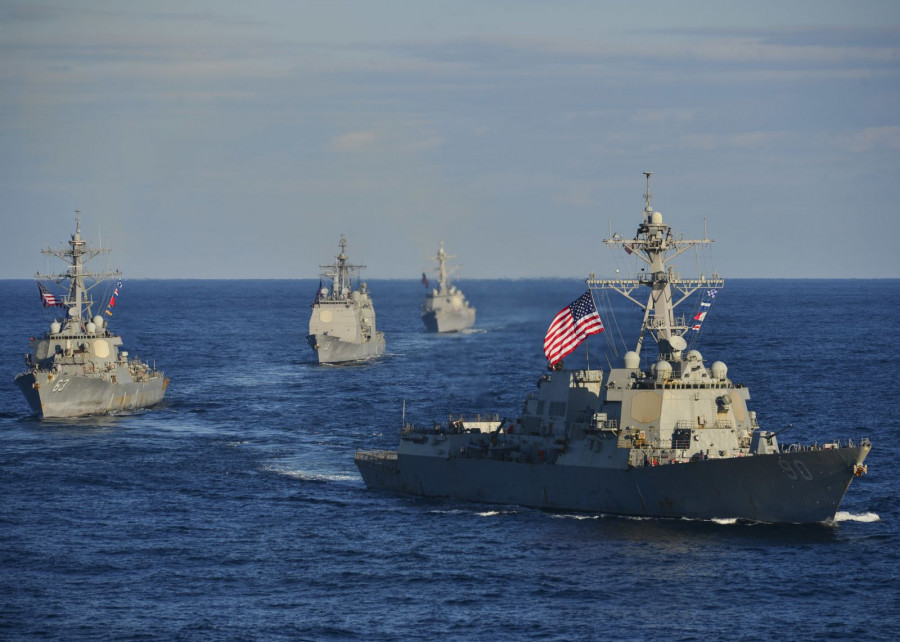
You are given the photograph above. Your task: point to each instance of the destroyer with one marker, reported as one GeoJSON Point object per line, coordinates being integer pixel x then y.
{"type": "Point", "coordinates": [342, 323]}
{"type": "Point", "coordinates": [445, 308]}
{"type": "Point", "coordinates": [76, 368]}
{"type": "Point", "coordinates": [672, 439]}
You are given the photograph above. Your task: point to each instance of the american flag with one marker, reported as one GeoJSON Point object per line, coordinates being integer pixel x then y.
{"type": "Point", "coordinates": [48, 298]}
{"type": "Point", "coordinates": [570, 327]}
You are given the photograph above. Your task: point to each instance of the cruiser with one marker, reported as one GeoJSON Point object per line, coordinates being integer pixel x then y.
{"type": "Point", "coordinates": [77, 368]}
{"type": "Point", "coordinates": [445, 308]}
{"type": "Point", "coordinates": [342, 323]}
{"type": "Point", "coordinates": [663, 435]}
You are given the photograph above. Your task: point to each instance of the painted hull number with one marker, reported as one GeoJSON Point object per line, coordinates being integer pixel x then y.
{"type": "Point", "coordinates": [795, 470]}
{"type": "Point", "coordinates": [59, 385]}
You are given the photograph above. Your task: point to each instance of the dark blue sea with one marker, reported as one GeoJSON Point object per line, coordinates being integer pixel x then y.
{"type": "Point", "coordinates": [234, 511]}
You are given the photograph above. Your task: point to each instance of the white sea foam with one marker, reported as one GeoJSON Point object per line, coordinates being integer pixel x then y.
{"type": "Point", "coordinates": [846, 516]}
{"type": "Point", "coordinates": [725, 521]}
{"type": "Point", "coordinates": [576, 517]}
{"type": "Point", "coordinates": [306, 475]}
{"type": "Point", "coordinates": [460, 511]}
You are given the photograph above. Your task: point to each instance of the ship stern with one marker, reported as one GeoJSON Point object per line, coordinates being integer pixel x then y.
{"type": "Point", "coordinates": [379, 469]}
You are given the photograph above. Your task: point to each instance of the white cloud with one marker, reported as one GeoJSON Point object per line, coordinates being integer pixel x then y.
{"type": "Point", "coordinates": [871, 138]}
{"type": "Point", "coordinates": [354, 141]}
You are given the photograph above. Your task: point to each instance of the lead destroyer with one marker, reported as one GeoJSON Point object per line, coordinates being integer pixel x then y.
{"type": "Point", "coordinates": [342, 323]}
{"type": "Point", "coordinates": [76, 368]}
{"type": "Point", "coordinates": [674, 439]}
{"type": "Point", "coordinates": [445, 308]}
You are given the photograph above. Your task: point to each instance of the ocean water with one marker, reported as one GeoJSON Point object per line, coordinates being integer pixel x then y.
{"type": "Point", "coordinates": [234, 510]}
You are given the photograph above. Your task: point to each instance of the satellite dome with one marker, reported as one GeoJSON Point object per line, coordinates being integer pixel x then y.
{"type": "Point", "coordinates": [55, 327]}
{"type": "Point", "coordinates": [632, 360]}
{"type": "Point", "coordinates": [98, 321]}
{"type": "Point", "coordinates": [719, 370]}
{"type": "Point", "coordinates": [694, 356]}
{"type": "Point", "coordinates": [656, 218]}
{"type": "Point", "coordinates": [663, 370]}
{"type": "Point", "coordinates": [90, 327]}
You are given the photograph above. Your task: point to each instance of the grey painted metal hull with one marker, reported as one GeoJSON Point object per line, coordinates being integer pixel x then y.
{"type": "Point", "coordinates": [332, 350]}
{"type": "Point", "coordinates": [802, 487]}
{"type": "Point", "coordinates": [449, 320]}
{"type": "Point", "coordinates": [78, 396]}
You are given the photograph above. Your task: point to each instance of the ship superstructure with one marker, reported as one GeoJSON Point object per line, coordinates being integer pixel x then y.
{"type": "Point", "coordinates": [445, 308]}
{"type": "Point", "coordinates": [342, 322]}
{"type": "Point", "coordinates": [674, 438]}
{"type": "Point", "coordinates": [77, 367]}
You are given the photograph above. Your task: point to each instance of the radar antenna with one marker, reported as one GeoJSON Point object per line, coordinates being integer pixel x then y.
{"type": "Point", "coordinates": [657, 245]}
{"type": "Point", "coordinates": [648, 209]}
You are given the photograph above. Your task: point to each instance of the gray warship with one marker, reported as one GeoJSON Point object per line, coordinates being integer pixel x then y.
{"type": "Point", "coordinates": [445, 308]}
{"type": "Point", "coordinates": [342, 323]}
{"type": "Point", "coordinates": [672, 439]}
{"type": "Point", "coordinates": [77, 369]}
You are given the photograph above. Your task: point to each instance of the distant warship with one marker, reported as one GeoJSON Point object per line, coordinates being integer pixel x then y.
{"type": "Point", "coordinates": [76, 368]}
{"type": "Point", "coordinates": [342, 323]}
{"type": "Point", "coordinates": [445, 308]}
{"type": "Point", "coordinates": [670, 439]}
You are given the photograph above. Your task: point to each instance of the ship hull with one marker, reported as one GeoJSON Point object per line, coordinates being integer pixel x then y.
{"type": "Point", "coordinates": [332, 350]}
{"type": "Point", "coordinates": [78, 395]}
{"type": "Point", "coordinates": [448, 320]}
{"type": "Point", "coordinates": [802, 487]}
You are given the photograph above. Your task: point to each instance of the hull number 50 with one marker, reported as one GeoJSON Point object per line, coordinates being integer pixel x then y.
{"type": "Point", "coordinates": [795, 469]}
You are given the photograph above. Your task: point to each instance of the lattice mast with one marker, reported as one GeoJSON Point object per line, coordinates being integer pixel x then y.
{"type": "Point", "coordinates": [81, 281]}
{"type": "Point", "coordinates": [339, 273]}
{"type": "Point", "coordinates": [656, 245]}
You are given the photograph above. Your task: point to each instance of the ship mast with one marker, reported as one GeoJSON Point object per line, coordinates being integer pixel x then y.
{"type": "Point", "coordinates": [656, 245]}
{"type": "Point", "coordinates": [79, 252]}
{"type": "Point", "coordinates": [442, 269]}
{"type": "Point", "coordinates": [340, 273]}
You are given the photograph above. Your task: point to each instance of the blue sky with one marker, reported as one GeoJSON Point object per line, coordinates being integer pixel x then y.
{"type": "Point", "coordinates": [234, 139]}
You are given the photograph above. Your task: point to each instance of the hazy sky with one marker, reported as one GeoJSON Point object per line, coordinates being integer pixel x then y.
{"type": "Point", "coordinates": [228, 139]}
